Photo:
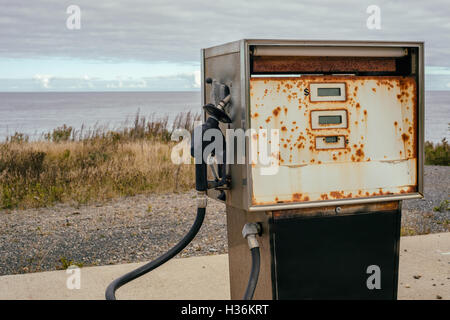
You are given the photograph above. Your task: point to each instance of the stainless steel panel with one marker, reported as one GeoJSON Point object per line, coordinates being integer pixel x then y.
{"type": "Point", "coordinates": [226, 68]}
{"type": "Point", "coordinates": [239, 256]}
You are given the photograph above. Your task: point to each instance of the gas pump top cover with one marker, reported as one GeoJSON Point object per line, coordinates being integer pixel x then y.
{"type": "Point", "coordinates": [340, 122]}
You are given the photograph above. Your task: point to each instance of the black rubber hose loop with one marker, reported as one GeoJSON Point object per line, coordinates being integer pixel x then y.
{"type": "Point", "coordinates": [116, 284]}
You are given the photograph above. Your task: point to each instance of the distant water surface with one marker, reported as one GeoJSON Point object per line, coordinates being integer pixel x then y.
{"type": "Point", "coordinates": [35, 113]}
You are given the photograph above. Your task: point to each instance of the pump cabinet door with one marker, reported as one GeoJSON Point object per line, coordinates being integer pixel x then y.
{"type": "Point", "coordinates": [340, 257]}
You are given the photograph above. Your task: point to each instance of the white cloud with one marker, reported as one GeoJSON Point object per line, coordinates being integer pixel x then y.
{"type": "Point", "coordinates": [433, 70]}
{"type": "Point", "coordinates": [164, 30]}
{"type": "Point", "coordinates": [197, 79]}
{"type": "Point", "coordinates": [43, 79]}
{"type": "Point", "coordinates": [160, 33]}
{"type": "Point", "coordinates": [45, 82]}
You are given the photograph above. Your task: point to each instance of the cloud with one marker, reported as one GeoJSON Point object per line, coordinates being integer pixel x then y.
{"type": "Point", "coordinates": [197, 79]}
{"type": "Point", "coordinates": [43, 79]}
{"type": "Point", "coordinates": [40, 82]}
{"type": "Point", "coordinates": [437, 70]}
{"type": "Point", "coordinates": [167, 30]}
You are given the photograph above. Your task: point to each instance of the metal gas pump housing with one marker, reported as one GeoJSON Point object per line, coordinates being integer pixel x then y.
{"type": "Point", "coordinates": [350, 123]}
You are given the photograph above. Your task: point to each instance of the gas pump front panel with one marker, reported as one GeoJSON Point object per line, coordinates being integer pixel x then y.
{"type": "Point", "coordinates": [339, 137]}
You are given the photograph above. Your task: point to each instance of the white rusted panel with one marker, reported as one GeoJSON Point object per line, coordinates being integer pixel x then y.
{"type": "Point", "coordinates": [379, 157]}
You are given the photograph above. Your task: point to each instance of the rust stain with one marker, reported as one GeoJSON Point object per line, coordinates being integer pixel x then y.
{"type": "Point", "coordinates": [276, 111]}
{"type": "Point", "coordinates": [337, 194]}
{"type": "Point", "coordinates": [405, 137]}
{"type": "Point", "coordinates": [360, 153]}
{"type": "Point", "coordinates": [297, 197]}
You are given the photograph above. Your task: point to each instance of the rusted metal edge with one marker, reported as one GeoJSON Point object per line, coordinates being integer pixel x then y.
{"type": "Point", "coordinates": [292, 64]}
{"type": "Point", "coordinates": [298, 205]}
{"type": "Point", "coordinates": [387, 206]}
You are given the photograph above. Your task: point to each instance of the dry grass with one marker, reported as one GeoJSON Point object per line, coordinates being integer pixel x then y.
{"type": "Point", "coordinates": [96, 166]}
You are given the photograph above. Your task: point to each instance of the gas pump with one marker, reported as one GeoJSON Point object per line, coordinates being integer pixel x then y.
{"type": "Point", "coordinates": [332, 142]}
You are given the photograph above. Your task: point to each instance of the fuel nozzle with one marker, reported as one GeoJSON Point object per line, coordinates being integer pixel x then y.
{"type": "Point", "coordinates": [220, 95]}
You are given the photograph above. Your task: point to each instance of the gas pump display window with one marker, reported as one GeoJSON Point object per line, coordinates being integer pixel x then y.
{"type": "Point", "coordinates": [330, 119]}
{"type": "Point", "coordinates": [328, 92]}
{"type": "Point", "coordinates": [330, 142]}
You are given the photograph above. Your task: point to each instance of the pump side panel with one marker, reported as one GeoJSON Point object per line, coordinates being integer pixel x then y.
{"type": "Point", "coordinates": [371, 150]}
{"type": "Point", "coordinates": [226, 69]}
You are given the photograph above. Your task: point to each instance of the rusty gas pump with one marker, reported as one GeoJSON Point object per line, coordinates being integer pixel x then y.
{"type": "Point", "coordinates": [342, 126]}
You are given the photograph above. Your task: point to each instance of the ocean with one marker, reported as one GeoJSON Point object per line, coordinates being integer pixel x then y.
{"type": "Point", "coordinates": [37, 113]}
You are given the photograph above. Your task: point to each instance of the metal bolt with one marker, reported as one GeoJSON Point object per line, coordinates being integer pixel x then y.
{"type": "Point", "coordinates": [338, 210]}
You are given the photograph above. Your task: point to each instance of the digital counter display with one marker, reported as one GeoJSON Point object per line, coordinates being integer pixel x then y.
{"type": "Point", "coordinates": [330, 119]}
{"type": "Point", "coordinates": [331, 139]}
{"type": "Point", "coordinates": [328, 92]}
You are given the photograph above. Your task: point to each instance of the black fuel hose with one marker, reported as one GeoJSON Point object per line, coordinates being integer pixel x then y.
{"type": "Point", "coordinates": [116, 284]}
{"type": "Point", "coordinates": [254, 274]}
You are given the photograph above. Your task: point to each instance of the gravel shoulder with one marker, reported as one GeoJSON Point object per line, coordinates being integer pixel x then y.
{"type": "Point", "coordinates": [141, 228]}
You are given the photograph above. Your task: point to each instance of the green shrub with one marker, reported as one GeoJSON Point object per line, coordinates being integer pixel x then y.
{"type": "Point", "coordinates": [59, 134]}
{"type": "Point", "coordinates": [437, 154]}
{"type": "Point", "coordinates": [443, 206]}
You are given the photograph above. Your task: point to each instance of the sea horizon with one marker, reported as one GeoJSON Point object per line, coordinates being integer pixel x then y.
{"type": "Point", "coordinates": [35, 113]}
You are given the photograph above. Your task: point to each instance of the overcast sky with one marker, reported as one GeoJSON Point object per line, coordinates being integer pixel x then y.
{"type": "Point", "coordinates": [155, 45]}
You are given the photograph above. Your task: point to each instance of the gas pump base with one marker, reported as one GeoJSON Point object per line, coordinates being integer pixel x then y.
{"type": "Point", "coordinates": [318, 253]}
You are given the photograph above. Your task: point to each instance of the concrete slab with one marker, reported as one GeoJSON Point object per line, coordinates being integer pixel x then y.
{"type": "Point", "coordinates": [425, 267]}
{"type": "Point", "coordinates": [424, 274]}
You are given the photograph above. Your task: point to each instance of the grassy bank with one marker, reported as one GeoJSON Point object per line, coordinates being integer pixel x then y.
{"type": "Point", "coordinates": [81, 166]}
{"type": "Point", "coordinates": [94, 165]}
